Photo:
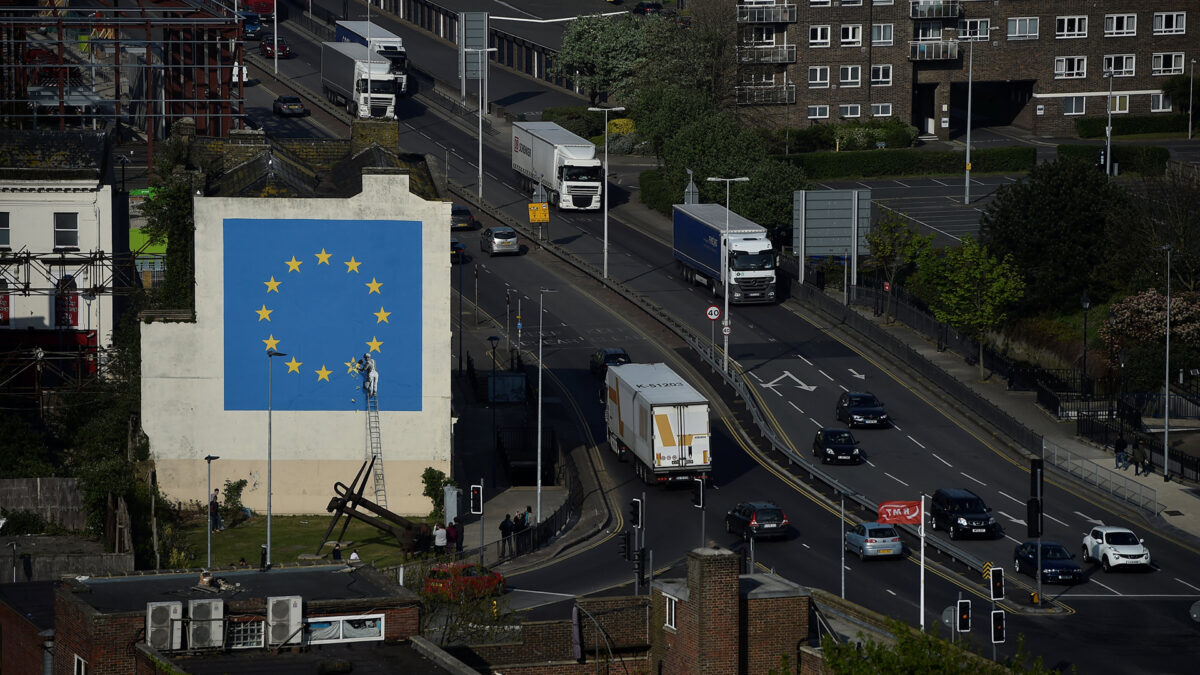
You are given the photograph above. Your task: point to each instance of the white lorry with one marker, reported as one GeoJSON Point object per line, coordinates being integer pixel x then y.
{"type": "Point", "coordinates": [564, 163]}
{"type": "Point", "coordinates": [382, 42]}
{"type": "Point", "coordinates": [654, 416]}
{"type": "Point", "coordinates": [350, 77]}
{"type": "Point", "coordinates": [701, 242]}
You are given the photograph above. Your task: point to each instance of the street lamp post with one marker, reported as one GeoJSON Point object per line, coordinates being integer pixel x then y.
{"type": "Point", "coordinates": [970, 92]}
{"type": "Point", "coordinates": [1108, 127]}
{"type": "Point", "coordinates": [271, 354]}
{"type": "Point", "coordinates": [1191, 105]}
{"type": "Point", "coordinates": [541, 319]}
{"type": "Point", "coordinates": [725, 320]}
{"type": "Point", "coordinates": [483, 69]}
{"type": "Point", "coordinates": [492, 394]}
{"type": "Point", "coordinates": [1083, 378]}
{"type": "Point", "coordinates": [606, 111]}
{"type": "Point", "coordinates": [208, 492]}
{"type": "Point", "coordinates": [1167, 380]}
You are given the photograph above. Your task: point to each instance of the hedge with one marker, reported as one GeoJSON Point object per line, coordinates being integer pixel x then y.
{"type": "Point", "coordinates": [1147, 160]}
{"type": "Point", "coordinates": [910, 162]}
{"type": "Point", "coordinates": [1128, 125]}
{"type": "Point", "coordinates": [655, 193]}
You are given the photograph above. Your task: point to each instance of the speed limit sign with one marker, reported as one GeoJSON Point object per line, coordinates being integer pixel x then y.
{"type": "Point", "coordinates": [713, 312]}
{"type": "Point", "coordinates": [725, 330]}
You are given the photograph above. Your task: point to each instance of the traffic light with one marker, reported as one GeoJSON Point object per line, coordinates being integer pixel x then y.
{"type": "Point", "coordinates": [1033, 516]}
{"type": "Point", "coordinates": [635, 512]}
{"type": "Point", "coordinates": [964, 616]}
{"type": "Point", "coordinates": [998, 625]}
{"type": "Point", "coordinates": [624, 545]}
{"type": "Point", "coordinates": [997, 583]}
{"type": "Point", "coordinates": [698, 492]}
{"type": "Point", "coordinates": [476, 499]}
{"type": "Point", "coordinates": [639, 562]}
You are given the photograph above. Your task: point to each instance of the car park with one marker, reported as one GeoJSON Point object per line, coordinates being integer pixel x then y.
{"type": "Point", "coordinates": [458, 251]}
{"type": "Point", "coordinates": [289, 106]}
{"type": "Point", "coordinates": [268, 44]}
{"type": "Point", "coordinates": [1115, 547]}
{"type": "Point", "coordinates": [757, 520]}
{"type": "Point", "coordinates": [861, 409]}
{"type": "Point", "coordinates": [836, 445]}
{"type": "Point", "coordinates": [456, 581]}
{"type": "Point", "coordinates": [603, 358]}
{"type": "Point", "coordinates": [461, 218]}
{"type": "Point", "coordinates": [961, 513]}
{"type": "Point", "coordinates": [874, 540]}
{"type": "Point", "coordinates": [499, 239]}
{"type": "Point", "coordinates": [1058, 563]}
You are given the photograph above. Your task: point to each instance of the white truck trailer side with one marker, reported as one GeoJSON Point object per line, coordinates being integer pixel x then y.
{"type": "Point", "coordinates": [659, 420]}
{"type": "Point", "coordinates": [351, 78]}
{"type": "Point", "coordinates": [385, 44]}
{"type": "Point", "coordinates": [563, 162]}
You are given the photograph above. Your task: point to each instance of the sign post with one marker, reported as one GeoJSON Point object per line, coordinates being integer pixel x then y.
{"type": "Point", "coordinates": [713, 313]}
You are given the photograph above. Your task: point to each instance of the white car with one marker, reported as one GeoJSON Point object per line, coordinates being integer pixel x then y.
{"type": "Point", "coordinates": [1115, 547]}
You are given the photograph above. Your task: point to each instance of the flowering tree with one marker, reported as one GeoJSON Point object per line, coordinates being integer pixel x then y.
{"type": "Point", "coordinates": [1137, 327]}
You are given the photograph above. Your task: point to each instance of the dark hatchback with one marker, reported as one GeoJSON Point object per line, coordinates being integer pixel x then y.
{"type": "Point", "coordinates": [861, 409]}
{"type": "Point", "coordinates": [836, 445]}
{"type": "Point", "coordinates": [603, 358]}
{"type": "Point", "coordinates": [1058, 564]}
{"type": "Point", "coordinates": [962, 513]}
{"type": "Point", "coordinates": [757, 520]}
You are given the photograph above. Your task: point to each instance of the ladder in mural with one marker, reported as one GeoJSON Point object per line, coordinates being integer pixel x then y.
{"type": "Point", "coordinates": [376, 442]}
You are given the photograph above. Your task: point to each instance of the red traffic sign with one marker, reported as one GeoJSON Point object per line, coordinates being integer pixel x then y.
{"type": "Point", "coordinates": [887, 287]}
{"type": "Point", "coordinates": [713, 312]}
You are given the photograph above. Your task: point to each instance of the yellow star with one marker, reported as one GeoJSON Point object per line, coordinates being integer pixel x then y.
{"type": "Point", "coordinates": [264, 314]}
{"type": "Point", "coordinates": [294, 365]}
{"type": "Point", "coordinates": [293, 264]}
{"type": "Point", "coordinates": [374, 344]}
{"type": "Point", "coordinates": [352, 266]}
{"type": "Point", "coordinates": [323, 373]}
{"type": "Point", "coordinates": [351, 367]}
{"type": "Point", "coordinates": [322, 257]}
{"type": "Point", "coordinates": [382, 316]}
{"type": "Point", "coordinates": [271, 342]}
{"type": "Point", "coordinates": [272, 285]}
{"type": "Point", "coordinates": [374, 286]}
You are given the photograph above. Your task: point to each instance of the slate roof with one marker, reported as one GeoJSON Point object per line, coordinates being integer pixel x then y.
{"type": "Point", "coordinates": [54, 155]}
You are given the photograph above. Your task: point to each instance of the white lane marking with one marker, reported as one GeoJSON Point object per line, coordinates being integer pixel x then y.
{"type": "Point", "coordinates": [897, 428]}
{"type": "Point", "coordinates": [843, 387]}
{"type": "Point", "coordinates": [1089, 518]}
{"type": "Point", "coordinates": [969, 477]}
{"type": "Point", "coordinates": [755, 376]}
{"type": "Point", "coordinates": [917, 442]}
{"type": "Point", "coordinates": [895, 479]}
{"type": "Point", "coordinates": [890, 591]}
{"type": "Point", "coordinates": [816, 423]}
{"type": "Point", "coordinates": [1046, 515]}
{"type": "Point", "coordinates": [525, 590]}
{"type": "Point", "coordinates": [870, 463]}
{"type": "Point", "coordinates": [1010, 538]}
{"type": "Point", "coordinates": [1187, 584]}
{"type": "Point", "coordinates": [1011, 497]}
{"type": "Point", "coordinates": [1093, 580]}
{"type": "Point", "coordinates": [804, 359]}
{"type": "Point", "coordinates": [1015, 520]}
{"type": "Point", "coordinates": [796, 407]}
{"type": "Point", "coordinates": [942, 460]}
{"type": "Point", "coordinates": [825, 374]}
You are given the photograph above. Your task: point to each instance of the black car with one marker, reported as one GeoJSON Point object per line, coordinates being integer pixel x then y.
{"type": "Point", "coordinates": [603, 358]}
{"type": "Point", "coordinates": [289, 106]}
{"type": "Point", "coordinates": [1058, 564]}
{"type": "Point", "coordinates": [961, 512]}
{"type": "Point", "coordinates": [461, 218]}
{"type": "Point", "coordinates": [861, 409]}
{"type": "Point", "coordinates": [757, 520]}
{"type": "Point", "coordinates": [836, 445]}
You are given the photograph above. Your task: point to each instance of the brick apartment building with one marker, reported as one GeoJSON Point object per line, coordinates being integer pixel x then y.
{"type": "Point", "coordinates": [1037, 64]}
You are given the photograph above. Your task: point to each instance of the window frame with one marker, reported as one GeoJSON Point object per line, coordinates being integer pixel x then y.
{"type": "Point", "coordinates": [879, 81]}
{"type": "Point", "coordinates": [818, 3]}
{"type": "Point", "coordinates": [827, 29]}
{"type": "Point", "coordinates": [849, 83]}
{"type": "Point", "coordinates": [80, 665]}
{"type": "Point", "coordinates": [1034, 22]}
{"type": "Point", "coordinates": [1063, 32]}
{"type": "Point", "coordinates": [5, 230]}
{"type": "Point", "coordinates": [1064, 73]}
{"type": "Point", "coordinates": [981, 32]}
{"type": "Point", "coordinates": [669, 610]}
{"type": "Point", "coordinates": [755, 35]}
{"type": "Point", "coordinates": [882, 2]}
{"type": "Point", "coordinates": [1128, 31]}
{"type": "Point", "coordinates": [1082, 100]}
{"type": "Point", "coordinates": [1179, 21]}
{"type": "Point", "coordinates": [810, 78]}
{"type": "Point", "coordinates": [1159, 57]}
{"type": "Point", "coordinates": [855, 39]}
{"type": "Point", "coordinates": [1109, 63]}
{"type": "Point", "coordinates": [1156, 101]}
{"type": "Point", "coordinates": [891, 34]}
{"type": "Point", "coordinates": [1116, 107]}
{"type": "Point", "coordinates": [341, 619]}
{"type": "Point", "coordinates": [61, 229]}
{"type": "Point", "coordinates": [818, 108]}
{"type": "Point", "coordinates": [842, 110]}
{"type": "Point", "coordinates": [877, 110]}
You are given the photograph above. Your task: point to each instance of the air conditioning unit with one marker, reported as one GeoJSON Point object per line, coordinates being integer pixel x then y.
{"type": "Point", "coordinates": [283, 620]}
{"type": "Point", "coordinates": [164, 625]}
{"type": "Point", "coordinates": [206, 625]}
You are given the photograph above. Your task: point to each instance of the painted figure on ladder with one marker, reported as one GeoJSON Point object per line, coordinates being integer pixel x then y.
{"type": "Point", "coordinates": [370, 372]}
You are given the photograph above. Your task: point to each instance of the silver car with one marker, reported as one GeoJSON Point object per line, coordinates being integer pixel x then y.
{"type": "Point", "coordinates": [874, 540]}
{"type": "Point", "coordinates": [499, 239]}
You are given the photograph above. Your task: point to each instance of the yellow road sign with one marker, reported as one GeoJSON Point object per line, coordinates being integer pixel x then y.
{"type": "Point", "coordinates": [539, 212]}
{"type": "Point", "coordinates": [987, 570]}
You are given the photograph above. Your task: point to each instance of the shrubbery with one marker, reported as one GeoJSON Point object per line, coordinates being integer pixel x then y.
{"type": "Point", "coordinates": [907, 162]}
{"type": "Point", "coordinates": [1127, 125]}
{"type": "Point", "coordinates": [1147, 160]}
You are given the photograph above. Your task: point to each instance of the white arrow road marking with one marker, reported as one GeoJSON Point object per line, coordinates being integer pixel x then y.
{"type": "Point", "coordinates": [895, 479]}
{"type": "Point", "coordinates": [852, 372]}
{"type": "Point", "coordinates": [1089, 519]}
{"type": "Point", "coordinates": [1012, 497]}
{"type": "Point", "coordinates": [786, 375]}
{"type": "Point", "coordinates": [804, 359]}
{"type": "Point", "coordinates": [917, 442]}
{"type": "Point", "coordinates": [965, 475]}
{"type": "Point", "coordinates": [1015, 520]}
{"type": "Point", "coordinates": [825, 374]}
{"type": "Point", "coordinates": [942, 460]}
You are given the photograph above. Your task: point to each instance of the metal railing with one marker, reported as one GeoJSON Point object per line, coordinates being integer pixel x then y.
{"type": "Point", "coordinates": [779, 13]}
{"type": "Point", "coordinates": [933, 50]}
{"type": "Point", "coordinates": [766, 53]}
{"type": "Point", "coordinates": [934, 9]}
{"type": "Point", "coordinates": [1116, 485]}
{"type": "Point", "coordinates": [766, 94]}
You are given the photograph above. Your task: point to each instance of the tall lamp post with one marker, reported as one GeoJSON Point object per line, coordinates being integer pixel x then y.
{"type": "Point", "coordinates": [1108, 127]}
{"type": "Point", "coordinates": [541, 319]}
{"type": "Point", "coordinates": [1191, 105]}
{"type": "Point", "coordinates": [971, 40]}
{"type": "Point", "coordinates": [492, 393]}
{"type": "Point", "coordinates": [1083, 378]}
{"type": "Point", "coordinates": [606, 111]}
{"type": "Point", "coordinates": [725, 321]}
{"type": "Point", "coordinates": [483, 69]}
{"type": "Point", "coordinates": [208, 493]}
{"type": "Point", "coordinates": [1167, 380]}
{"type": "Point", "coordinates": [271, 354]}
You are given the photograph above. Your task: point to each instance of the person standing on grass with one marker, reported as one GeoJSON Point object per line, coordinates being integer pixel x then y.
{"type": "Point", "coordinates": [439, 539]}
{"type": "Point", "coordinates": [462, 534]}
{"type": "Point", "coordinates": [214, 511]}
{"type": "Point", "coordinates": [451, 536]}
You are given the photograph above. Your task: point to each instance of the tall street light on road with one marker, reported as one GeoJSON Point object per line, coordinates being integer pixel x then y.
{"type": "Point", "coordinates": [209, 459]}
{"type": "Point", "coordinates": [541, 320]}
{"type": "Point", "coordinates": [1191, 105]}
{"type": "Point", "coordinates": [483, 69]}
{"type": "Point", "coordinates": [1167, 380]}
{"type": "Point", "coordinates": [606, 111]}
{"type": "Point", "coordinates": [725, 322]}
{"type": "Point", "coordinates": [271, 354]}
{"type": "Point", "coordinates": [1108, 74]}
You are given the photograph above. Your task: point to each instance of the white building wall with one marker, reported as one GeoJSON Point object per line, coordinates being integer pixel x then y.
{"type": "Point", "coordinates": [183, 387]}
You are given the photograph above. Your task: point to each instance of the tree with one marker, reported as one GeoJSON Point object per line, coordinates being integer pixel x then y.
{"type": "Point", "coordinates": [659, 110]}
{"type": "Point", "coordinates": [1137, 325]}
{"type": "Point", "coordinates": [972, 288]}
{"type": "Point", "coordinates": [1162, 211]}
{"type": "Point", "coordinates": [1176, 87]}
{"type": "Point", "coordinates": [895, 248]}
{"type": "Point", "coordinates": [601, 54]}
{"type": "Point", "coordinates": [700, 58]}
{"type": "Point", "coordinates": [169, 219]}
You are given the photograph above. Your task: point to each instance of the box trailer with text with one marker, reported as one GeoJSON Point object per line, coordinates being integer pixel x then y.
{"type": "Point", "coordinates": [350, 77]}
{"type": "Point", "coordinates": [704, 235]}
{"type": "Point", "coordinates": [659, 420]}
{"type": "Point", "coordinates": [382, 42]}
{"type": "Point", "coordinates": [565, 164]}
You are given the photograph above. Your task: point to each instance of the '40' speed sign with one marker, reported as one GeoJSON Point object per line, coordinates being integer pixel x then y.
{"type": "Point", "coordinates": [713, 312]}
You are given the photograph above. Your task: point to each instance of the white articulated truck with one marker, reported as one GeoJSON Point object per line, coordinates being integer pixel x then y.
{"type": "Point", "coordinates": [563, 162]}
{"type": "Point", "coordinates": [350, 77]}
{"type": "Point", "coordinates": [388, 46]}
{"type": "Point", "coordinates": [659, 420]}
{"type": "Point", "coordinates": [701, 243]}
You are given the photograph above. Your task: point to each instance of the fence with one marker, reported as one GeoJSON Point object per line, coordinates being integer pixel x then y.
{"type": "Point", "coordinates": [1116, 485]}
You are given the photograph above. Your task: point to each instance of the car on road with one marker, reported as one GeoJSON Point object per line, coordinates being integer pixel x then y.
{"type": "Point", "coordinates": [266, 47]}
{"type": "Point", "coordinates": [836, 445]}
{"type": "Point", "coordinates": [289, 106]}
{"type": "Point", "coordinates": [252, 26]}
{"type": "Point", "coordinates": [461, 218]}
{"type": "Point", "coordinates": [961, 513]}
{"type": "Point", "coordinates": [1058, 564]}
{"type": "Point", "coordinates": [1115, 547]}
{"type": "Point", "coordinates": [461, 580]}
{"type": "Point", "coordinates": [757, 520]}
{"type": "Point", "coordinates": [609, 356]}
{"type": "Point", "coordinates": [647, 8]}
{"type": "Point", "coordinates": [861, 409]}
{"type": "Point", "coordinates": [500, 239]}
{"type": "Point", "coordinates": [458, 251]}
{"type": "Point", "coordinates": [874, 540]}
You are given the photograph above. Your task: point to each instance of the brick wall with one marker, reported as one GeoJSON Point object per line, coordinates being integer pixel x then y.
{"type": "Point", "coordinates": [19, 643]}
{"type": "Point", "coordinates": [57, 500]}
{"type": "Point", "coordinates": [385, 134]}
{"type": "Point", "coordinates": [772, 628]}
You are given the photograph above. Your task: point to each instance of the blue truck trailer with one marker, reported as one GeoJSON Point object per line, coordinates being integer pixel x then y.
{"type": "Point", "coordinates": [706, 234]}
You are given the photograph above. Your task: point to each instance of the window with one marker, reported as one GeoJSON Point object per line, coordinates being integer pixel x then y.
{"type": "Point", "coordinates": [1121, 65]}
{"type": "Point", "coordinates": [881, 109]}
{"type": "Point", "coordinates": [818, 76]}
{"type": "Point", "coordinates": [66, 230]}
{"type": "Point", "coordinates": [1073, 105]}
{"type": "Point", "coordinates": [1160, 102]}
{"type": "Point", "coordinates": [974, 29]}
{"type": "Point", "coordinates": [1070, 67]}
{"type": "Point", "coordinates": [5, 240]}
{"type": "Point", "coordinates": [670, 607]}
{"type": "Point", "coordinates": [758, 36]}
{"type": "Point", "coordinates": [881, 2]}
{"type": "Point", "coordinates": [1070, 27]}
{"type": "Point", "coordinates": [1120, 103]}
{"type": "Point", "coordinates": [852, 35]}
{"type": "Point", "coordinates": [849, 110]}
{"type": "Point", "coordinates": [850, 76]}
{"type": "Point", "coordinates": [1023, 28]}
{"type": "Point", "coordinates": [1120, 25]}
{"type": "Point", "coordinates": [756, 76]}
{"type": "Point", "coordinates": [851, 3]}
{"type": "Point", "coordinates": [881, 34]}
{"type": "Point", "coordinates": [80, 666]}
{"type": "Point", "coordinates": [1170, 63]}
{"type": "Point", "coordinates": [818, 36]}
{"type": "Point", "coordinates": [881, 75]}
{"type": "Point", "coordinates": [818, 3]}
{"type": "Point", "coordinates": [327, 629]}
{"type": "Point", "coordinates": [1170, 23]}
{"type": "Point", "coordinates": [818, 112]}
{"type": "Point", "coordinates": [245, 633]}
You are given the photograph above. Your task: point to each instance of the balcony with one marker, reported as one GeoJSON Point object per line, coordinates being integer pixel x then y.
{"type": "Point", "coordinates": [933, 50]}
{"type": "Point", "coordinates": [934, 9]}
{"type": "Point", "coordinates": [766, 54]}
{"type": "Point", "coordinates": [766, 94]}
{"type": "Point", "coordinates": [755, 13]}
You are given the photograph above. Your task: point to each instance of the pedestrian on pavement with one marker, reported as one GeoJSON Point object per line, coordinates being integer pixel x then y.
{"type": "Point", "coordinates": [439, 539]}
{"type": "Point", "coordinates": [451, 537]}
{"type": "Point", "coordinates": [506, 531]}
{"type": "Point", "coordinates": [518, 533]}
{"type": "Point", "coordinates": [462, 534]}
{"type": "Point", "coordinates": [354, 555]}
{"type": "Point", "coordinates": [530, 524]}
{"type": "Point", "coordinates": [1121, 457]}
{"type": "Point", "coordinates": [1139, 458]}
{"type": "Point", "coordinates": [214, 511]}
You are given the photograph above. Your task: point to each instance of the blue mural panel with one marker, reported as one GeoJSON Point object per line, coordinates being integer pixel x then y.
{"type": "Point", "coordinates": [323, 292]}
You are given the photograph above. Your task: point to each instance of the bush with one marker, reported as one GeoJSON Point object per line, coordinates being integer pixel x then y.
{"type": "Point", "coordinates": [908, 162]}
{"type": "Point", "coordinates": [623, 144]}
{"type": "Point", "coordinates": [1128, 125]}
{"type": "Point", "coordinates": [579, 120]}
{"type": "Point", "coordinates": [654, 191]}
{"type": "Point", "coordinates": [232, 510]}
{"type": "Point", "coordinates": [23, 522]}
{"type": "Point", "coordinates": [434, 481]}
{"type": "Point", "coordinates": [621, 125]}
{"type": "Point", "coordinates": [1147, 160]}
{"type": "Point", "coordinates": [855, 135]}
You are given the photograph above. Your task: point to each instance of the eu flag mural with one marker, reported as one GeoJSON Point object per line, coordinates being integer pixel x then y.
{"type": "Point", "coordinates": [325, 293]}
